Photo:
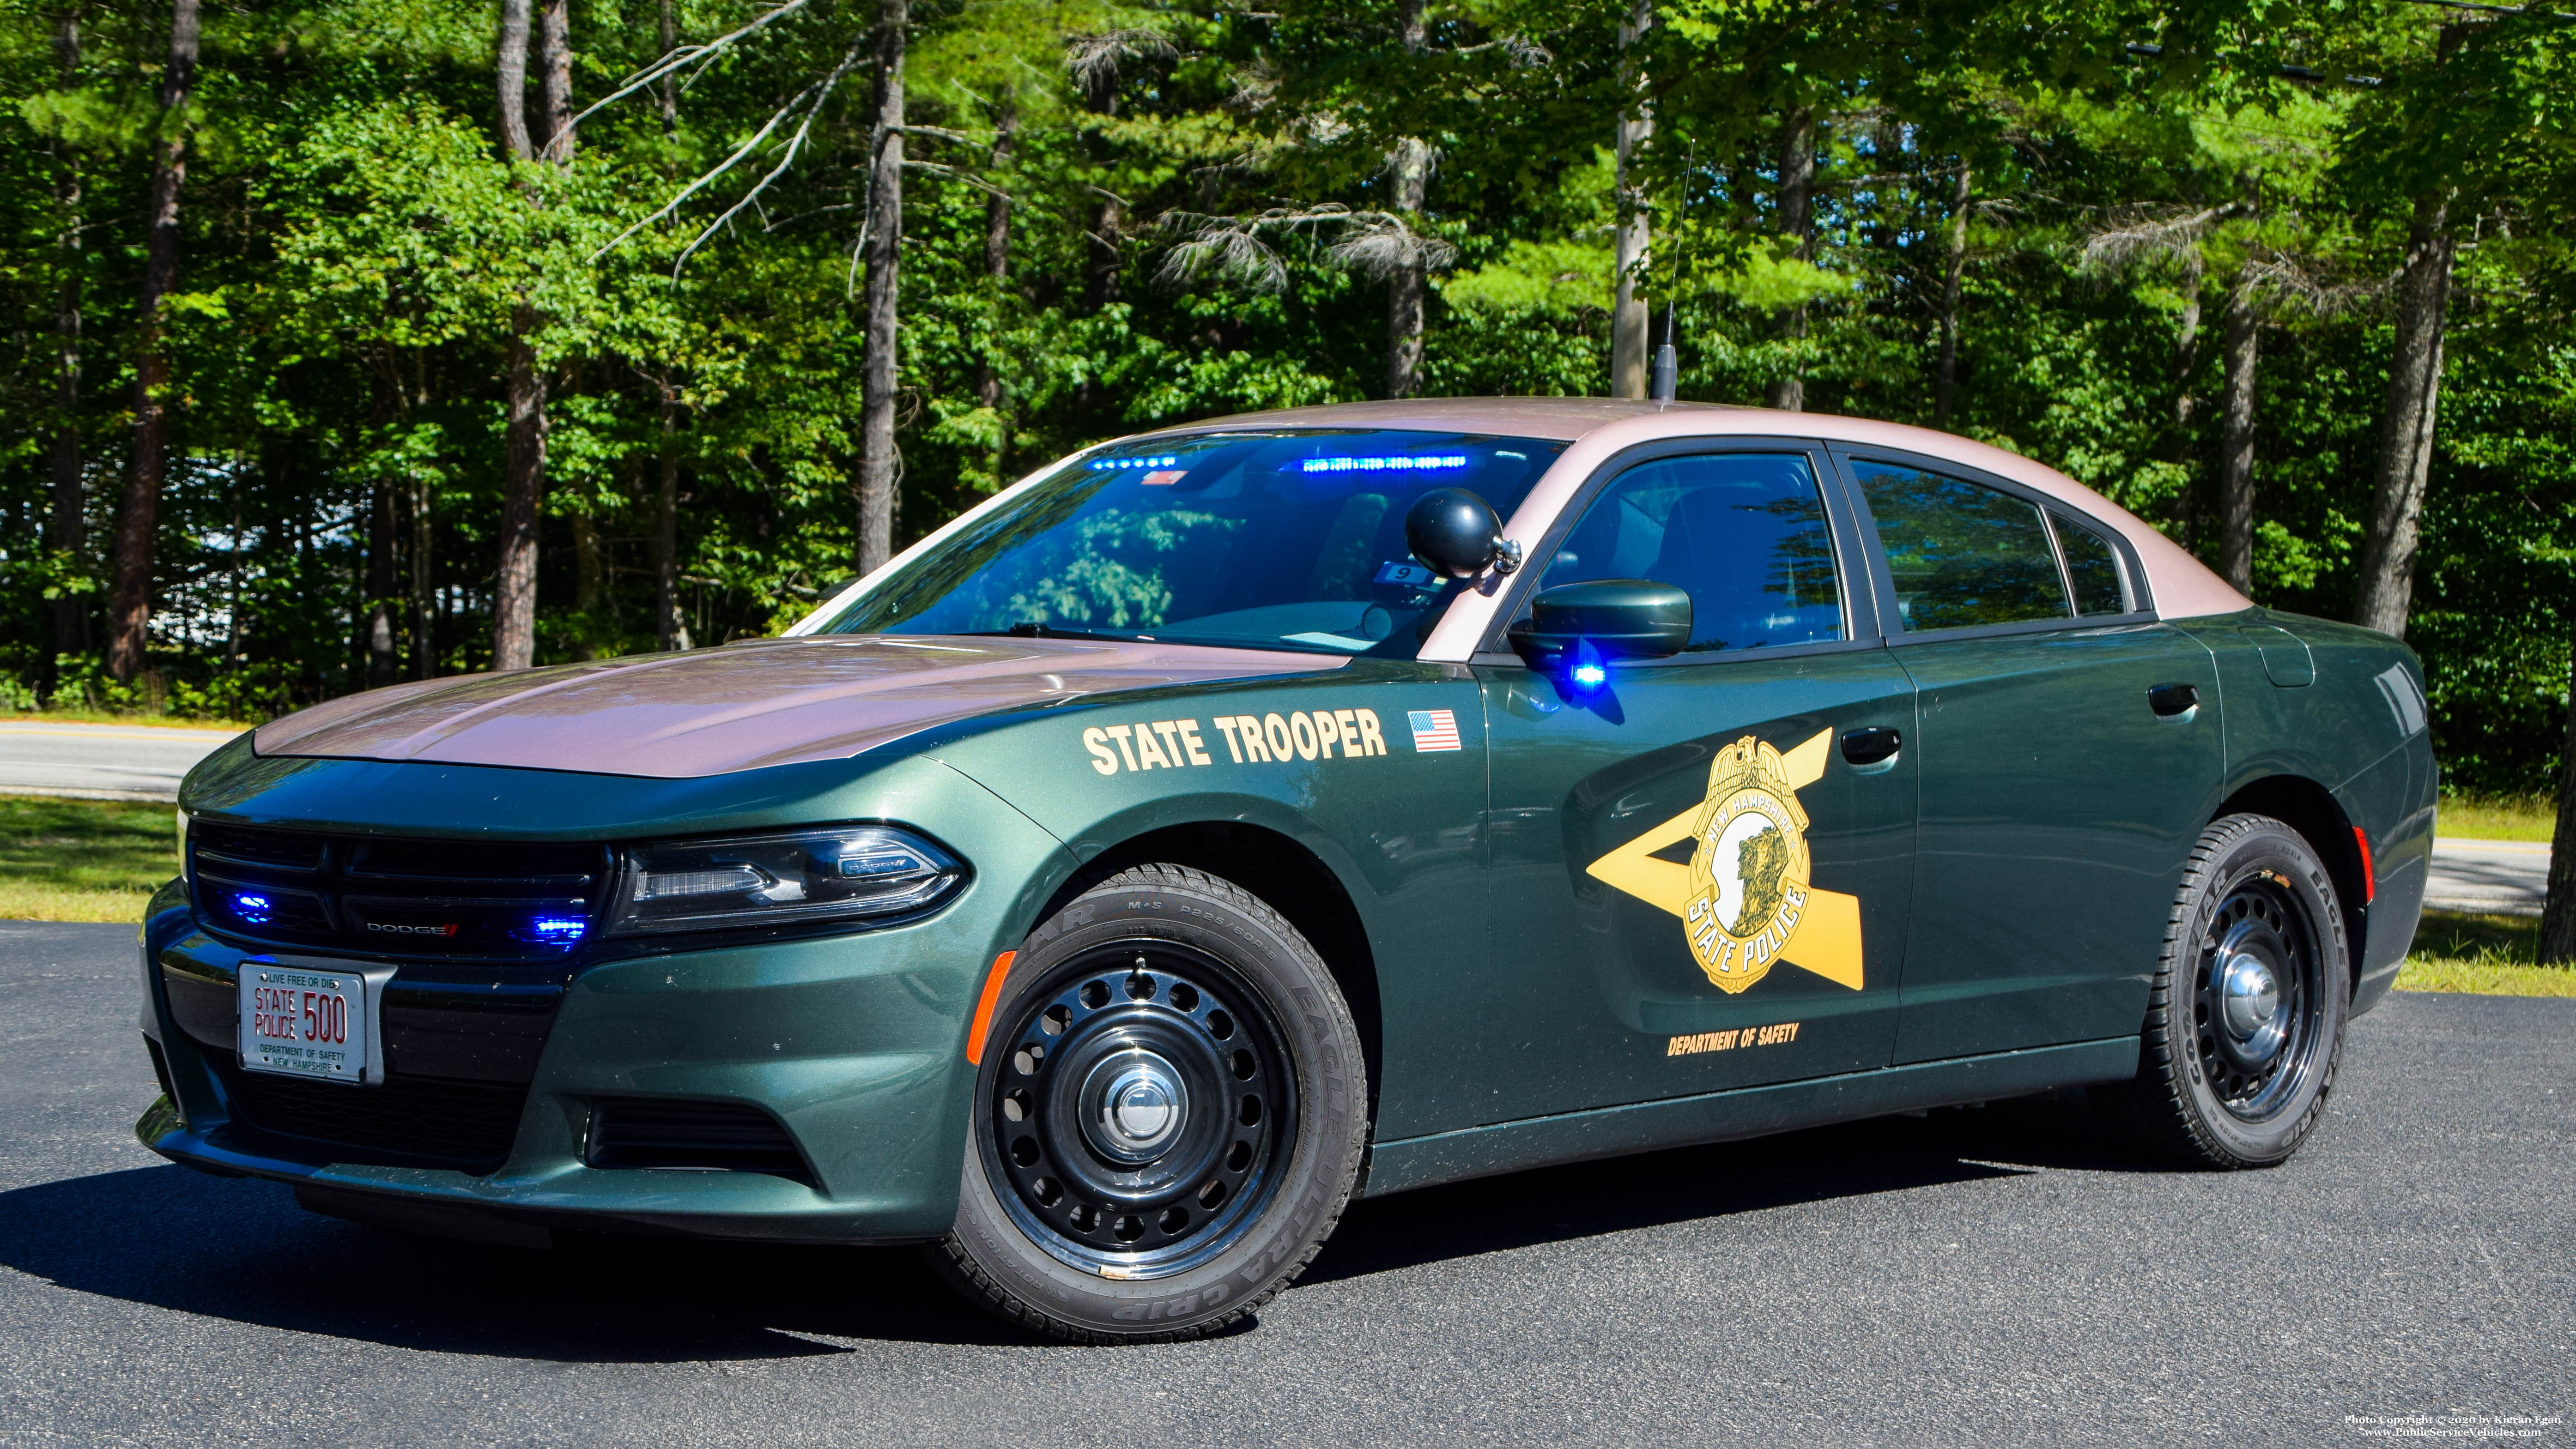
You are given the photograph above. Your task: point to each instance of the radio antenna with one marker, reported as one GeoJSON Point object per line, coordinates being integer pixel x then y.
{"type": "Point", "coordinates": [1667, 372]}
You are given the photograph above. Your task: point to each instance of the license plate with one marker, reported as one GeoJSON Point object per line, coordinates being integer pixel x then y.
{"type": "Point", "coordinates": [304, 1023]}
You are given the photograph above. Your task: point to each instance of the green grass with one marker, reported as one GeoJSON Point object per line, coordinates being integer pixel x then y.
{"type": "Point", "coordinates": [2483, 955]}
{"type": "Point", "coordinates": [83, 860]}
{"type": "Point", "coordinates": [2496, 817]}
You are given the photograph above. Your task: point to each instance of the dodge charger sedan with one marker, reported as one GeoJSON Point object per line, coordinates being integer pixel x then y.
{"type": "Point", "coordinates": [1231, 821]}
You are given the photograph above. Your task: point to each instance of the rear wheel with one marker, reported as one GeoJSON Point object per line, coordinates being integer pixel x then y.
{"type": "Point", "coordinates": [1167, 1118]}
{"type": "Point", "coordinates": [2245, 1023]}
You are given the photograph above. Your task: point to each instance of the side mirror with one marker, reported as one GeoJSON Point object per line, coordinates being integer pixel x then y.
{"type": "Point", "coordinates": [1457, 533]}
{"type": "Point", "coordinates": [1609, 618]}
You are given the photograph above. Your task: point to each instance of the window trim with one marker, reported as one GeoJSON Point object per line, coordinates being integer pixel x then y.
{"type": "Point", "coordinates": [1859, 604]}
{"type": "Point", "coordinates": [2133, 583]}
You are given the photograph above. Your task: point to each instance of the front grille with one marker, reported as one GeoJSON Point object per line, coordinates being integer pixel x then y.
{"type": "Point", "coordinates": [724, 1136]}
{"type": "Point", "coordinates": [441, 899]}
{"type": "Point", "coordinates": [465, 1125]}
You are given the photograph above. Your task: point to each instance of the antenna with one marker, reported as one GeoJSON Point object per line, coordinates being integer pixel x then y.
{"type": "Point", "coordinates": [1667, 373]}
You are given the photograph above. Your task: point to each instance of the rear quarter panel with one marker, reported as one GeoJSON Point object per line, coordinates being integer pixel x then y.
{"type": "Point", "coordinates": [2359, 731]}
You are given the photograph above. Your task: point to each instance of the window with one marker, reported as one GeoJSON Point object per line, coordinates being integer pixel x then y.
{"type": "Point", "coordinates": [1267, 540]}
{"type": "Point", "coordinates": [1960, 555]}
{"type": "Point", "coordinates": [1744, 534]}
{"type": "Point", "coordinates": [2091, 567]}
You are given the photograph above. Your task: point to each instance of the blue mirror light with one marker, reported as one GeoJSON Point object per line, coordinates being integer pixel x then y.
{"type": "Point", "coordinates": [1586, 672]}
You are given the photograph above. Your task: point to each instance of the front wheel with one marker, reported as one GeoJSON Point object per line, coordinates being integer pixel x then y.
{"type": "Point", "coordinates": [2245, 1023]}
{"type": "Point", "coordinates": [1168, 1116]}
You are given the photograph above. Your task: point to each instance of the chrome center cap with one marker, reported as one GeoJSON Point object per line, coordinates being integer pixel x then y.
{"type": "Point", "coordinates": [1134, 1105]}
{"type": "Point", "coordinates": [2249, 998]}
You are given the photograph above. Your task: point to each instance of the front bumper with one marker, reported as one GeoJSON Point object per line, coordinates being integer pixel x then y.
{"type": "Point", "coordinates": [855, 1043]}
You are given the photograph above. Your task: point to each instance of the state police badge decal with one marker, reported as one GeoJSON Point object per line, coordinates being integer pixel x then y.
{"type": "Point", "coordinates": [1749, 869]}
{"type": "Point", "coordinates": [1747, 899]}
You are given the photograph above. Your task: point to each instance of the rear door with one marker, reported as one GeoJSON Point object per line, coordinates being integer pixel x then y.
{"type": "Point", "coordinates": [2064, 773]}
{"type": "Point", "coordinates": [1691, 888]}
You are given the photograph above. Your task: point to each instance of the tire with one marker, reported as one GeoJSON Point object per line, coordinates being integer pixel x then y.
{"type": "Point", "coordinates": [2222, 1083]}
{"type": "Point", "coordinates": [1102, 1201]}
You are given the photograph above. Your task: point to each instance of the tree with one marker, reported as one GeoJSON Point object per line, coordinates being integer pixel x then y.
{"type": "Point", "coordinates": [138, 522]}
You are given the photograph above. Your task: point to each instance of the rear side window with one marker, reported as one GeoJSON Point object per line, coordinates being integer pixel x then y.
{"type": "Point", "coordinates": [1743, 533]}
{"type": "Point", "coordinates": [1961, 555]}
{"type": "Point", "coordinates": [2091, 567]}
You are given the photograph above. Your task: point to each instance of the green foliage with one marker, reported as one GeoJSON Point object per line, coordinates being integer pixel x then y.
{"type": "Point", "coordinates": [355, 256]}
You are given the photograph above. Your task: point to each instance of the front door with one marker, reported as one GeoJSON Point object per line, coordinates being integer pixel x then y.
{"type": "Point", "coordinates": [2064, 778]}
{"type": "Point", "coordinates": [1692, 886]}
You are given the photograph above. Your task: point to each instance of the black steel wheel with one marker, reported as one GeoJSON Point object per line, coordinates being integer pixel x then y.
{"type": "Point", "coordinates": [1168, 1115]}
{"type": "Point", "coordinates": [2245, 1022]}
{"type": "Point", "coordinates": [1137, 1114]}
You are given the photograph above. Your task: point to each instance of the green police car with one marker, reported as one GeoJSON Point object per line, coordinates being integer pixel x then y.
{"type": "Point", "coordinates": [1233, 820]}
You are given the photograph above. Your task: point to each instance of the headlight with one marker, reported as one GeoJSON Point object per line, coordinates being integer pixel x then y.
{"type": "Point", "coordinates": [781, 880]}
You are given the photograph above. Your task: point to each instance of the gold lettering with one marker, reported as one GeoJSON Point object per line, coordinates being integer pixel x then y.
{"type": "Point", "coordinates": [1102, 758]}
{"type": "Point", "coordinates": [1347, 725]}
{"type": "Point", "coordinates": [1370, 736]}
{"type": "Point", "coordinates": [1234, 752]}
{"type": "Point", "coordinates": [1282, 739]}
{"type": "Point", "coordinates": [1190, 742]}
{"type": "Point", "coordinates": [1148, 753]}
{"type": "Point", "coordinates": [1303, 730]}
{"type": "Point", "coordinates": [1119, 733]}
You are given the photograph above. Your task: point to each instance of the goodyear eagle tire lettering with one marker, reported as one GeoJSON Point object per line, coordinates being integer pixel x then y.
{"type": "Point", "coordinates": [1066, 1226]}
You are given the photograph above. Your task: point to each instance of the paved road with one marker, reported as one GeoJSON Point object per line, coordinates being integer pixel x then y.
{"type": "Point", "coordinates": [104, 761]}
{"type": "Point", "coordinates": [2508, 877]}
{"type": "Point", "coordinates": [1975, 1276]}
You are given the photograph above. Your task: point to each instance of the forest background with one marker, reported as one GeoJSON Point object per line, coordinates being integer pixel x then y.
{"type": "Point", "coordinates": [350, 341]}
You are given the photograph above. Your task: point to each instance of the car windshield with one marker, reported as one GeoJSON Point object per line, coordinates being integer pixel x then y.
{"type": "Point", "coordinates": [1270, 540]}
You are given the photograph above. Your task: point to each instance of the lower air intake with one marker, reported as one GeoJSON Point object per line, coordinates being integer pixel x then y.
{"type": "Point", "coordinates": [464, 1125]}
{"type": "Point", "coordinates": [716, 1136]}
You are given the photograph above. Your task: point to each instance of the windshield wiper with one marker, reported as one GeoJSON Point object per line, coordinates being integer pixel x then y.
{"type": "Point", "coordinates": [1049, 631]}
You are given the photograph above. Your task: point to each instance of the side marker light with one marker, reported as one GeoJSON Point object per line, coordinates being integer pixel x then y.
{"type": "Point", "coordinates": [984, 1008]}
{"type": "Point", "coordinates": [2369, 875]}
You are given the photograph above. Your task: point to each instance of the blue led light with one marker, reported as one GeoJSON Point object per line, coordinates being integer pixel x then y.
{"type": "Point", "coordinates": [1423, 464]}
{"type": "Point", "coordinates": [560, 930]}
{"type": "Point", "coordinates": [1585, 671]}
{"type": "Point", "coordinates": [252, 908]}
{"type": "Point", "coordinates": [1106, 465]}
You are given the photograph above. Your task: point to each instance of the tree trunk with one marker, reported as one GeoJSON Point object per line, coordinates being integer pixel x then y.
{"type": "Point", "coordinates": [1628, 319]}
{"type": "Point", "coordinates": [1953, 272]}
{"type": "Point", "coordinates": [424, 598]}
{"type": "Point", "coordinates": [586, 580]}
{"type": "Point", "coordinates": [523, 481]}
{"type": "Point", "coordinates": [130, 610]}
{"type": "Point", "coordinates": [382, 665]}
{"type": "Point", "coordinates": [2186, 405]}
{"type": "Point", "coordinates": [68, 534]}
{"type": "Point", "coordinates": [2406, 425]}
{"type": "Point", "coordinates": [877, 461]}
{"type": "Point", "coordinates": [2241, 334]}
{"type": "Point", "coordinates": [1408, 286]}
{"type": "Point", "coordinates": [1410, 170]}
{"type": "Point", "coordinates": [997, 259]}
{"type": "Point", "coordinates": [1797, 222]}
{"type": "Point", "coordinates": [670, 631]}
{"type": "Point", "coordinates": [2558, 917]}
{"type": "Point", "coordinates": [554, 49]}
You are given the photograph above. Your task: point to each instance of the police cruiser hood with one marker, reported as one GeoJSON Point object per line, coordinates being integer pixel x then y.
{"type": "Point", "coordinates": [744, 706]}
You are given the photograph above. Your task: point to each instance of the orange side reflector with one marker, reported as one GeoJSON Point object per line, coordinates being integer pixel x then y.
{"type": "Point", "coordinates": [2369, 877]}
{"type": "Point", "coordinates": [984, 1008]}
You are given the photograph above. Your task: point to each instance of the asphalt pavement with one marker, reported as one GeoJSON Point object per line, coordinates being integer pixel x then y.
{"type": "Point", "coordinates": [115, 762]}
{"type": "Point", "coordinates": [1988, 1276]}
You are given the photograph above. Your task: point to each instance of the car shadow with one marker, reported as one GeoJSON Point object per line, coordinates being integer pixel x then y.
{"type": "Point", "coordinates": [1856, 1159]}
{"type": "Point", "coordinates": [242, 1251]}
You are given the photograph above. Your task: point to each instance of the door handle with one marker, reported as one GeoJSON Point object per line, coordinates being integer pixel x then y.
{"type": "Point", "coordinates": [1870, 746]}
{"type": "Point", "coordinates": [2173, 701]}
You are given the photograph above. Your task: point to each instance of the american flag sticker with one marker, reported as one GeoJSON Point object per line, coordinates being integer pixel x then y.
{"type": "Point", "coordinates": [1433, 730]}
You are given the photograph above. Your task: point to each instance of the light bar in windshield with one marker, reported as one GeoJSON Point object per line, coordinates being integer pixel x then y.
{"type": "Point", "coordinates": [1103, 465]}
{"type": "Point", "coordinates": [1374, 465]}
